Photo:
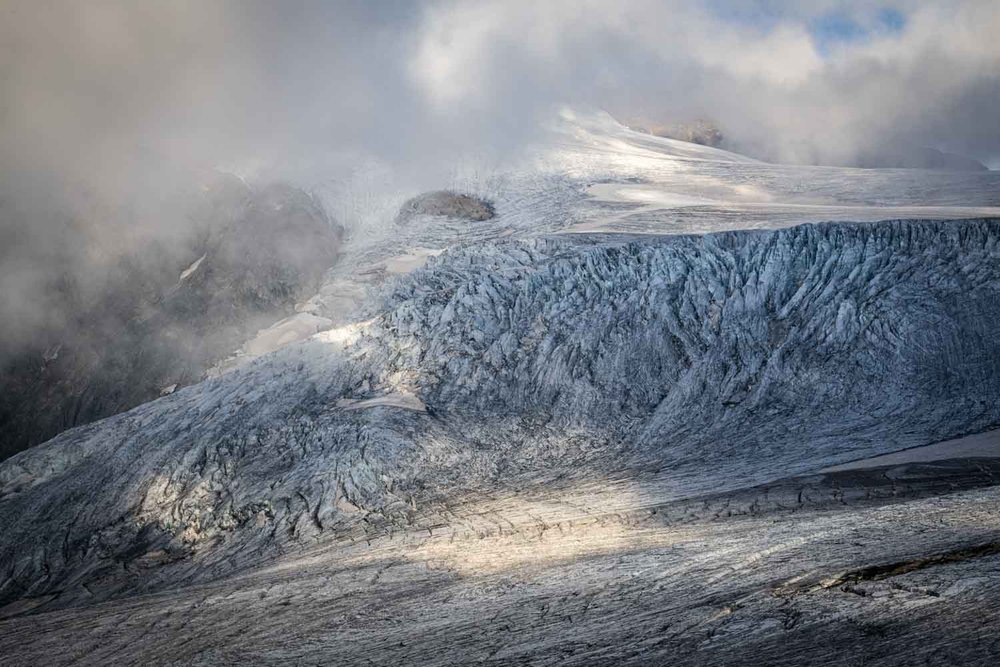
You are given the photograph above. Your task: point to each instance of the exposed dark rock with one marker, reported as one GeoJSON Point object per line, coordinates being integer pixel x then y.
{"type": "Point", "coordinates": [702, 132]}
{"type": "Point", "coordinates": [447, 204]}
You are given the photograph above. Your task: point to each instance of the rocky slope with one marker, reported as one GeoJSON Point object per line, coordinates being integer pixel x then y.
{"type": "Point", "coordinates": [167, 312]}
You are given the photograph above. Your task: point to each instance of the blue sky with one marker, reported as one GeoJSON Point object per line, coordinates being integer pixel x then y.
{"type": "Point", "coordinates": [829, 29]}
{"type": "Point", "coordinates": [840, 27]}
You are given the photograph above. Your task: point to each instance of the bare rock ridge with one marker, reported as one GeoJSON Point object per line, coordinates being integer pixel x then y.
{"type": "Point", "coordinates": [703, 132]}
{"type": "Point", "coordinates": [167, 313]}
{"type": "Point", "coordinates": [705, 364]}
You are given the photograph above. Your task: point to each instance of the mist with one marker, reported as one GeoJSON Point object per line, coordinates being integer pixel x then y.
{"type": "Point", "coordinates": [116, 114]}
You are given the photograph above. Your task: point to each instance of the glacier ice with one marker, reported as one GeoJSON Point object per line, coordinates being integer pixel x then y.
{"type": "Point", "coordinates": [700, 362]}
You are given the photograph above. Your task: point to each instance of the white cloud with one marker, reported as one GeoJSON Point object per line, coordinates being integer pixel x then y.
{"type": "Point", "coordinates": [765, 81]}
{"type": "Point", "coordinates": [106, 107]}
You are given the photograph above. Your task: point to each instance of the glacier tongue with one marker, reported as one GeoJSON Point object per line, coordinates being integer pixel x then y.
{"type": "Point", "coordinates": [686, 364]}
{"type": "Point", "coordinates": [599, 441]}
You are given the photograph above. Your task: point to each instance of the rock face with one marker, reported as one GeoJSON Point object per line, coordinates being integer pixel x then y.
{"type": "Point", "coordinates": [717, 362]}
{"type": "Point", "coordinates": [448, 204]}
{"type": "Point", "coordinates": [702, 132]}
{"type": "Point", "coordinates": [166, 314]}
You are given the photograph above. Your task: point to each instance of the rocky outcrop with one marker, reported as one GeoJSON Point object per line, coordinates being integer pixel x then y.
{"type": "Point", "coordinates": [702, 132]}
{"type": "Point", "coordinates": [445, 203]}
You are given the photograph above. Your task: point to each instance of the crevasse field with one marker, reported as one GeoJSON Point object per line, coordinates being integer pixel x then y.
{"type": "Point", "coordinates": [610, 425]}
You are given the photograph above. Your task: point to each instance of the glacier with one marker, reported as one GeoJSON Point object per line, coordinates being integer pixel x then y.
{"type": "Point", "coordinates": [592, 429]}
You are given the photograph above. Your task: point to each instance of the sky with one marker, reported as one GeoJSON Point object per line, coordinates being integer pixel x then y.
{"type": "Point", "coordinates": [273, 86]}
{"type": "Point", "coordinates": [112, 110]}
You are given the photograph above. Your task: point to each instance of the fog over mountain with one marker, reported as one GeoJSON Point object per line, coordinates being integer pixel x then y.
{"type": "Point", "coordinates": [114, 111]}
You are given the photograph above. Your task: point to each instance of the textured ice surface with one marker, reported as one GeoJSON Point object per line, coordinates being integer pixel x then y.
{"type": "Point", "coordinates": [708, 363]}
{"type": "Point", "coordinates": [516, 444]}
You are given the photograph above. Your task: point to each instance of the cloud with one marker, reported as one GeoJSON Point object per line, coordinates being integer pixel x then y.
{"type": "Point", "coordinates": [816, 82]}
{"type": "Point", "coordinates": [112, 112]}
{"type": "Point", "coordinates": [98, 91]}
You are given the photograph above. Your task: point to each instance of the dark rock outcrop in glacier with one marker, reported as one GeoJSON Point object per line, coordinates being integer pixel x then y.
{"type": "Point", "coordinates": [709, 363]}
{"type": "Point", "coordinates": [448, 204]}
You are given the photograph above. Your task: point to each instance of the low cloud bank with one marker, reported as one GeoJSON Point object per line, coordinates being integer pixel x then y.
{"type": "Point", "coordinates": [116, 114]}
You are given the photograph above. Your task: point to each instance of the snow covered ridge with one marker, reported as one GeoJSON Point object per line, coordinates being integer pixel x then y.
{"type": "Point", "coordinates": [690, 363]}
